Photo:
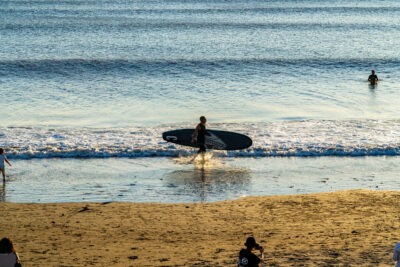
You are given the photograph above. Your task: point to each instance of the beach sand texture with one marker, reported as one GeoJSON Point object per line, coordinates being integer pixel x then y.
{"type": "Point", "coordinates": [346, 228]}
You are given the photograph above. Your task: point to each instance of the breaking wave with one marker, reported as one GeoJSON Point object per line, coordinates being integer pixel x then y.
{"type": "Point", "coordinates": [309, 138]}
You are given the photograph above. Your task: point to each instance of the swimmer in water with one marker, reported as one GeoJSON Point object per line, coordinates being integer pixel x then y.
{"type": "Point", "coordinates": [373, 79]}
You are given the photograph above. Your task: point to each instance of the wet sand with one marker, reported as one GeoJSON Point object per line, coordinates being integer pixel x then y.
{"type": "Point", "coordinates": [355, 227]}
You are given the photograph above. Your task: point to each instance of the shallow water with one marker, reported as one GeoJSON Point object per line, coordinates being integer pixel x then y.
{"type": "Point", "coordinates": [179, 180]}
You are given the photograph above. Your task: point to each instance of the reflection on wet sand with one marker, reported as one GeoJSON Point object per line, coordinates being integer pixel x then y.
{"type": "Point", "coordinates": [372, 89]}
{"type": "Point", "coordinates": [3, 193]}
{"type": "Point", "coordinates": [209, 176]}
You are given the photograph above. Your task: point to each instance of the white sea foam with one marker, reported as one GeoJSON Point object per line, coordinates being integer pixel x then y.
{"type": "Point", "coordinates": [283, 138]}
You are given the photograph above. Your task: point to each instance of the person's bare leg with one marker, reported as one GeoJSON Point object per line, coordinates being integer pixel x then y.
{"type": "Point", "coordinates": [203, 159]}
{"type": "Point", "coordinates": [4, 175]}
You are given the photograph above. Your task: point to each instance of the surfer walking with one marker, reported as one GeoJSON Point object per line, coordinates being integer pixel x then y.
{"type": "Point", "coordinates": [373, 79]}
{"type": "Point", "coordinates": [200, 132]}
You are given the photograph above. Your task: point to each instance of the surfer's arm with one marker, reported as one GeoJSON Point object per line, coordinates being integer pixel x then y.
{"type": "Point", "coordinates": [6, 160]}
{"type": "Point", "coordinates": [195, 133]}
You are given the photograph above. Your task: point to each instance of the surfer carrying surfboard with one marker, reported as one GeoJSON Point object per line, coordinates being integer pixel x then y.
{"type": "Point", "coordinates": [200, 132]}
{"type": "Point", "coordinates": [373, 79]}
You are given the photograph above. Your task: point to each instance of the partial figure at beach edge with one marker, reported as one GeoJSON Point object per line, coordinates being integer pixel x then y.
{"type": "Point", "coordinates": [3, 159]}
{"type": "Point", "coordinates": [396, 254]}
{"type": "Point", "coordinates": [8, 254]}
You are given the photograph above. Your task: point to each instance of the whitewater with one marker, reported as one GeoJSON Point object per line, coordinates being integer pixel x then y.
{"type": "Point", "coordinates": [311, 138]}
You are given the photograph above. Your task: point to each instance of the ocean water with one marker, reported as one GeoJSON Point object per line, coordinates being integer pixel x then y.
{"type": "Point", "coordinates": [86, 81]}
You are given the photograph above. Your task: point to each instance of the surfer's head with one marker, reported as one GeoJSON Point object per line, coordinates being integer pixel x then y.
{"type": "Point", "coordinates": [1, 151]}
{"type": "Point", "coordinates": [203, 119]}
{"type": "Point", "coordinates": [373, 72]}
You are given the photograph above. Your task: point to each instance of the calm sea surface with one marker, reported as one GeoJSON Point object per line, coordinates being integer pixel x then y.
{"type": "Point", "coordinates": [101, 79]}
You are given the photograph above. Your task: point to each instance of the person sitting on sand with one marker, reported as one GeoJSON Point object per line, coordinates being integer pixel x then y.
{"type": "Point", "coordinates": [373, 79]}
{"type": "Point", "coordinates": [2, 167]}
{"type": "Point", "coordinates": [201, 133]}
{"type": "Point", "coordinates": [246, 256]}
{"type": "Point", "coordinates": [8, 254]}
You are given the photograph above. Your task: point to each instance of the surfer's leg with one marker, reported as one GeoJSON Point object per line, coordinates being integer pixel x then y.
{"type": "Point", "coordinates": [203, 154]}
{"type": "Point", "coordinates": [202, 149]}
{"type": "Point", "coordinates": [4, 174]}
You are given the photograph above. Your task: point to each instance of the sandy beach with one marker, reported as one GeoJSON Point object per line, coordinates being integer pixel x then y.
{"type": "Point", "coordinates": [346, 228]}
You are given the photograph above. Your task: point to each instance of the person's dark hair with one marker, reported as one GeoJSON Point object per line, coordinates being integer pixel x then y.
{"type": "Point", "coordinates": [1, 151]}
{"type": "Point", "coordinates": [202, 118]}
{"type": "Point", "coordinates": [7, 246]}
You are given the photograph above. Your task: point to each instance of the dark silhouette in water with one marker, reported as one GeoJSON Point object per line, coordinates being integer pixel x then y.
{"type": "Point", "coordinates": [373, 79]}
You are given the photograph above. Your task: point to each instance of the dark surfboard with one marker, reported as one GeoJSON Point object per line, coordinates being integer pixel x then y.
{"type": "Point", "coordinates": [219, 140]}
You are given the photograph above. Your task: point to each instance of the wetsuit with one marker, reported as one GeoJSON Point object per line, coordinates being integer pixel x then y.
{"type": "Point", "coordinates": [373, 79]}
{"type": "Point", "coordinates": [201, 138]}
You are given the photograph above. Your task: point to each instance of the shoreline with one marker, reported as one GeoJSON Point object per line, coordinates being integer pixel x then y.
{"type": "Point", "coordinates": [352, 227]}
{"type": "Point", "coordinates": [175, 181]}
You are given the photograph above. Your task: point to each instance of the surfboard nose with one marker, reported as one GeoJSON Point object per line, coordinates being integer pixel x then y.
{"type": "Point", "coordinates": [170, 138]}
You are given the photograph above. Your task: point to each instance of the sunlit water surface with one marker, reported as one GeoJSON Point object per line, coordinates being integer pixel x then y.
{"type": "Point", "coordinates": [87, 87]}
